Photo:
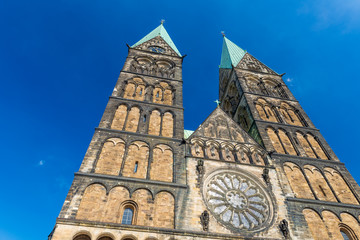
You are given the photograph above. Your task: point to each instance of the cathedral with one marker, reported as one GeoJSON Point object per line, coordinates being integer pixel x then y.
{"type": "Point", "coordinates": [255, 168]}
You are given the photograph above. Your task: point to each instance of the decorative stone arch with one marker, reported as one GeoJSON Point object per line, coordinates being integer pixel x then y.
{"type": "Point", "coordinates": [287, 141]}
{"type": "Point", "coordinates": [233, 90]}
{"type": "Point", "coordinates": [304, 143]}
{"type": "Point", "coordinates": [82, 235]}
{"type": "Point", "coordinates": [92, 202]}
{"type": "Point", "coordinates": [136, 159]}
{"type": "Point", "coordinates": [341, 188]}
{"type": "Point", "coordinates": [271, 86]}
{"type": "Point", "coordinates": [93, 183]}
{"type": "Point", "coordinates": [212, 149]}
{"type": "Point", "coordinates": [317, 146]}
{"type": "Point", "coordinates": [315, 223]}
{"type": "Point", "coordinates": [319, 183]}
{"type": "Point", "coordinates": [197, 147]}
{"type": "Point", "coordinates": [243, 153]}
{"type": "Point", "coordinates": [119, 185]}
{"type": "Point", "coordinates": [120, 116]}
{"type": "Point", "coordinates": [109, 159]}
{"type": "Point", "coordinates": [350, 233]}
{"type": "Point", "coordinates": [227, 151]}
{"type": "Point", "coordinates": [129, 237]}
{"type": "Point", "coordinates": [133, 118]}
{"type": "Point", "coordinates": [163, 93]}
{"type": "Point", "coordinates": [164, 205]}
{"type": "Point", "coordinates": [298, 181]}
{"type": "Point", "coordinates": [133, 206]}
{"type": "Point", "coordinates": [252, 83]}
{"type": "Point", "coordinates": [292, 115]}
{"type": "Point", "coordinates": [155, 119]}
{"type": "Point", "coordinates": [167, 124]}
{"type": "Point", "coordinates": [275, 140]}
{"type": "Point", "coordinates": [162, 163]}
{"type": "Point", "coordinates": [258, 156]}
{"type": "Point", "coordinates": [143, 64]}
{"type": "Point", "coordinates": [106, 235]}
{"type": "Point", "coordinates": [151, 238]}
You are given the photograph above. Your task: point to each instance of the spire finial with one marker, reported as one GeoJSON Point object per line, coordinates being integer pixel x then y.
{"type": "Point", "coordinates": [217, 102]}
{"type": "Point", "coordinates": [162, 21]}
{"type": "Point", "coordinates": [223, 33]}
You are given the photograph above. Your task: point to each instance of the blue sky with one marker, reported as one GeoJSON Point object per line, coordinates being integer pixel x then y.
{"type": "Point", "coordinates": [59, 61]}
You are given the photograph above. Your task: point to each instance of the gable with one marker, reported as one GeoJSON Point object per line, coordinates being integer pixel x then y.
{"type": "Point", "coordinates": [220, 126]}
{"type": "Point", "coordinates": [157, 41]}
{"type": "Point", "coordinates": [249, 62]}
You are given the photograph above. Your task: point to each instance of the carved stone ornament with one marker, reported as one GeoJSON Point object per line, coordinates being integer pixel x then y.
{"type": "Point", "coordinates": [204, 220]}
{"type": "Point", "coordinates": [200, 167]}
{"type": "Point", "coordinates": [238, 201]}
{"type": "Point", "coordinates": [200, 171]}
{"type": "Point", "coordinates": [266, 176]}
{"type": "Point", "coordinates": [284, 228]}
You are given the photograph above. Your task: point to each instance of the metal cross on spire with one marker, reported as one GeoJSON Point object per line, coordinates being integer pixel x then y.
{"type": "Point", "coordinates": [217, 102]}
{"type": "Point", "coordinates": [162, 21]}
{"type": "Point", "coordinates": [223, 33]}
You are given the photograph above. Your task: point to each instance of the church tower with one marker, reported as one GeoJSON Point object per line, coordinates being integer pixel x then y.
{"type": "Point", "coordinates": [134, 167]}
{"type": "Point", "coordinates": [256, 168]}
{"type": "Point", "coordinates": [320, 192]}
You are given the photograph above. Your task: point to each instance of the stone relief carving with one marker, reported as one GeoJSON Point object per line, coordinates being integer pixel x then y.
{"type": "Point", "coordinates": [157, 41]}
{"type": "Point", "coordinates": [204, 220]}
{"type": "Point", "coordinates": [146, 65]}
{"type": "Point", "coordinates": [200, 171]}
{"type": "Point", "coordinates": [284, 228]}
{"type": "Point", "coordinates": [251, 63]}
{"type": "Point", "coordinates": [237, 201]}
{"type": "Point", "coordinates": [266, 176]}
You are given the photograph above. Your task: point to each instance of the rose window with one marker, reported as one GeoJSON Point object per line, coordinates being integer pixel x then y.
{"type": "Point", "coordinates": [237, 200]}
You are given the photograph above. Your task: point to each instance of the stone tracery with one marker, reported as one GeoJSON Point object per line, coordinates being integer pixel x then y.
{"type": "Point", "coordinates": [237, 201]}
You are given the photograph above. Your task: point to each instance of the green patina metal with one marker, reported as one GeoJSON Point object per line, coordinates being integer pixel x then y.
{"type": "Point", "coordinates": [231, 54]}
{"type": "Point", "coordinates": [159, 31]}
{"type": "Point", "coordinates": [187, 133]}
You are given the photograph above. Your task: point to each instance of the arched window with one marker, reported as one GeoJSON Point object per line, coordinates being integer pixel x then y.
{"type": "Point", "coordinates": [344, 235]}
{"type": "Point", "coordinates": [346, 232]}
{"type": "Point", "coordinates": [128, 215]}
{"type": "Point", "coordinates": [82, 237]}
{"type": "Point", "coordinates": [105, 238]}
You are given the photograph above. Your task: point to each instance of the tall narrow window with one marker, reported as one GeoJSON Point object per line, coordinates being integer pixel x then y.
{"type": "Point", "coordinates": [136, 167]}
{"type": "Point", "coordinates": [140, 93]}
{"type": "Point", "coordinates": [127, 216]}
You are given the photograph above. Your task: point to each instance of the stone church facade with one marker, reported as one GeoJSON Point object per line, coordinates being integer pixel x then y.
{"type": "Point", "coordinates": [256, 168]}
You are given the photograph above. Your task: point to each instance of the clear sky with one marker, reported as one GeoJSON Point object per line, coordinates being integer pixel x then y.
{"type": "Point", "coordinates": [59, 61]}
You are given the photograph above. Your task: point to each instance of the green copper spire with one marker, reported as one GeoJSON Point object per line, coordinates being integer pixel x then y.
{"type": "Point", "coordinates": [231, 54]}
{"type": "Point", "coordinates": [159, 31]}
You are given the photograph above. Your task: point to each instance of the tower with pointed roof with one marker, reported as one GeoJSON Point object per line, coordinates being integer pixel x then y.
{"type": "Point", "coordinates": [256, 168]}
{"type": "Point", "coordinates": [322, 198]}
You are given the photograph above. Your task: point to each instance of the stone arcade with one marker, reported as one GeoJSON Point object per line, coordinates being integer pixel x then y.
{"type": "Point", "coordinates": [256, 168]}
